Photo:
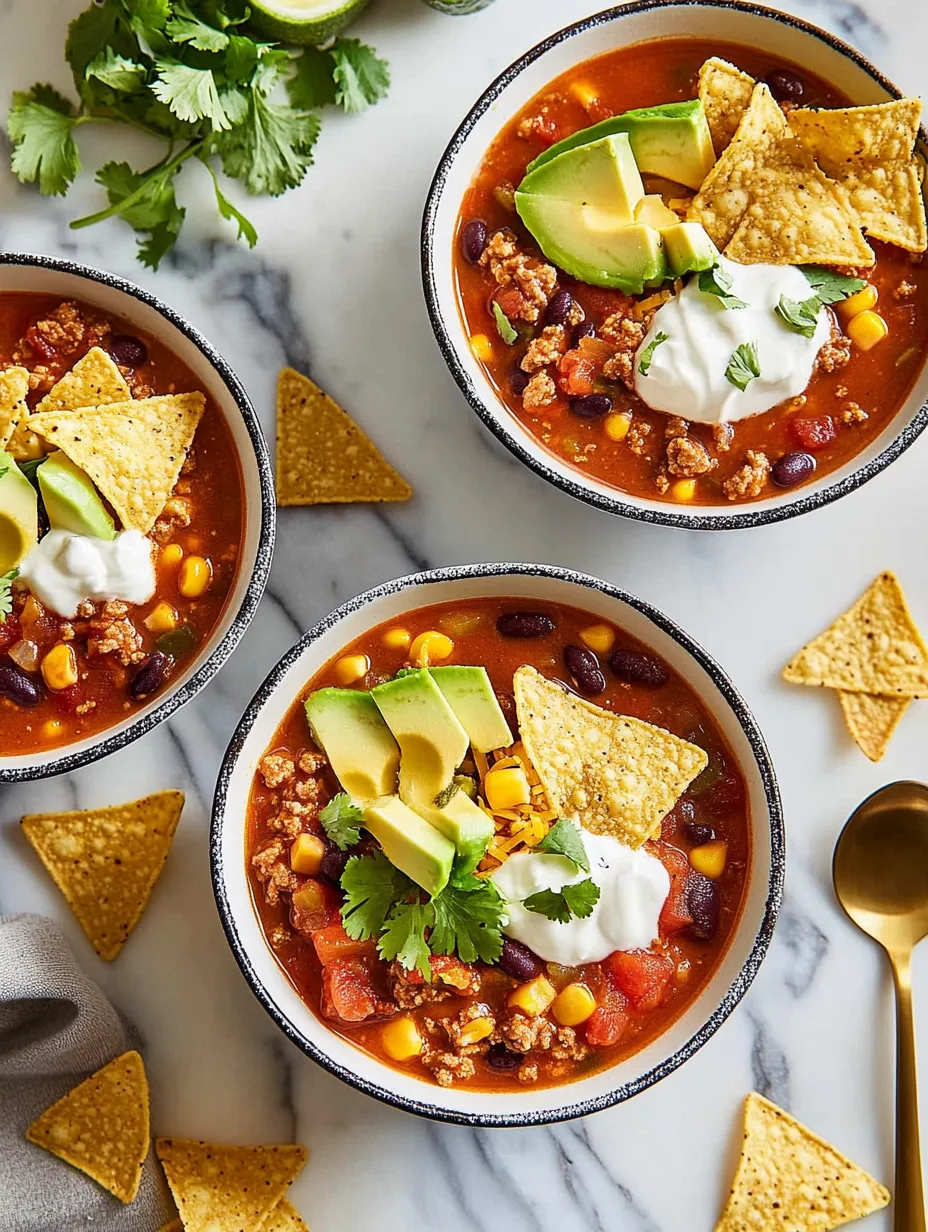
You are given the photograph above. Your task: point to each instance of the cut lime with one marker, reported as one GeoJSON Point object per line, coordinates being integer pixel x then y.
{"type": "Point", "coordinates": [457, 8]}
{"type": "Point", "coordinates": [306, 23]}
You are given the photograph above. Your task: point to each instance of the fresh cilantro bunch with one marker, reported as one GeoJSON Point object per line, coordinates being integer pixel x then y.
{"type": "Point", "coordinates": [190, 73]}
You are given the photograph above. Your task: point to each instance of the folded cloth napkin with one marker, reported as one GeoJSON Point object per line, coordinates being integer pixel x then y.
{"type": "Point", "coordinates": [56, 1028]}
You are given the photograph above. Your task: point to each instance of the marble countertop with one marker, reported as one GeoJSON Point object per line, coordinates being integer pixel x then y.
{"type": "Point", "coordinates": [333, 289]}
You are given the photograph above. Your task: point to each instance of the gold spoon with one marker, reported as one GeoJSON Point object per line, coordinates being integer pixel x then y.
{"type": "Point", "coordinates": [880, 873]}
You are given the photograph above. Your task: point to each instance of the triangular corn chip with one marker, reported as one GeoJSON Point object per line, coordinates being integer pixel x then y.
{"type": "Point", "coordinates": [790, 1179]}
{"type": "Point", "coordinates": [872, 719]}
{"type": "Point", "coordinates": [102, 1126]}
{"type": "Point", "coordinates": [284, 1218]}
{"type": "Point", "coordinates": [227, 1188]}
{"type": "Point", "coordinates": [106, 861]}
{"type": "Point", "coordinates": [93, 381]}
{"type": "Point", "coordinates": [323, 457]}
{"type": "Point", "coordinates": [133, 451]}
{"type": "Point", "coordinates": [889, 205]}
{"type": "Point", "coordinates": [875, 647]}
{"type": "Point", "coordinates": [14, 385]}
{"type": "Point", "coordinates": [725, 92]}
{"type": "Point", "coordinates": [611, 773]}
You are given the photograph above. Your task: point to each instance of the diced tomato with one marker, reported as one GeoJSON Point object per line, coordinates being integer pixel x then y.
{"type": "Point", "coordinates": [577, 374]}
{"type": "Point", "coordinates": [349, 992]}
{"type": "Point", "coordinates": [68, 700]}
{"type": "Point", "coordinates": [333, 944]}
{"type": "Point", "coordinates": [512, 302]}
{"type": "Point", "coordinates": [813, 433]}
{"type": "Point", "coordinates": [609, 1021]}
{"type": "Point", "coordinates": [722, 798]}
{"type": "Point", "coordinates": [446, 968]}
{"type": "Point", "coordinates": [642, 976]}
{"type": "Point", "coordinates": [597, 350]}
{"type": "Point", "coordinates": [10, 633]}
{"type": "Point", "coordinates": [40, 344]}
{"type": "Point", "coordinates": [674, 913]}
{"type": "Point", "coordinates": [313, 906]}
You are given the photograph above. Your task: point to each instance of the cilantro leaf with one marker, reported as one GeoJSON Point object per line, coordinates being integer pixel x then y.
{"type": "Point", "coordinates": [184, 26]}
{"type": "Point", "coordinates": [371, 885]}
{"type": "Point", "coordinates": [829, 286]}
{"type": "Point", "coordinates": [361, 78]}
{"type": "Point", "coordinates": [191, 93]}
{"type": "Point", "coordinates": [116, 71]}
{"type": "Point", "coordinates": [744, 366]}
{"type": "Point", "coordinates": [581, 897]}
{"type": "Point", "coordinates": [6, 593]}
{"type": "Point", "coordinates": [800, 315]}
{"type": "Point", "coordinates": [341, 820]}
{"type": "Point", "coordinates": [503, 325]}
{"type": "Point", "coordinates": [313, 83]}
{"type": "Point", "coordinates": [246, 230]}
{"type": "Point", "coordinates": [91, 32]}
{"type": "Point", "coordinates": [468, 916]}
{"type": "Point", "coordinates": [271, 150]}
{"type": "Point", "coordinates": [145, 199]}
{"type": "Point", "coordinates": [718, 282]}
{"type": "Point", "coordinates": [549, 903]}
{"type": "Point", "coordinates": [577, 899]}
{"type": "Point", "coordinates": [564, 839]}
{"type": "Point", "coordinates": [41, 127]}
{"type": "Point", "coordinates": [403, 936]}
{"type": "Point", "coordinates": [644, 363]}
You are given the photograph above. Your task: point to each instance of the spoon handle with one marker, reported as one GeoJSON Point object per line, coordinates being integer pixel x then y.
{"type": "Point", "coordinates": [909, 1202]}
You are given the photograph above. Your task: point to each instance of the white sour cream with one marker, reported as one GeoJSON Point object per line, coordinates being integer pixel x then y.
{"type": "Point", "coordinates": [64, 569]}
{"type": "Point", "coordinates": [633, 886]}
{"type": "Point", "coordinates": [687, 372]}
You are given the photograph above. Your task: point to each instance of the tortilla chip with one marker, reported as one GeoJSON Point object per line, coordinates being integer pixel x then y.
{"type": "Point", "coordinates": [14, 385]}
{"type": "Point", "coordinates": [323, 457]}
{"type": "Point", "coordinates": [888, 204]}
{"type": "Point", "coordinates": [227, 1188]}
{"type": "Point", "coordinates": [725, 92]}
{"type": "Point", "coordinates": [106, 861]}
{"type": "Point", "coordinates": [93, 381]}
{"type": "Point", "coordinates": [611, 773]}
{"type": "Point", "coordinates": [840, 138]}
{"type": "Point", "coordinates": [284, 1218]}
{"type": "Point", "coordinates": [872, 719]}
{"type": "Point", "coordinates": [875, 647]}
{"type": "Point", "coordinates": [790, 1178]}
{"type": "Point", "coordinates": [102, 1126]}
{"type": "Point", "coordinates": [133, 451]}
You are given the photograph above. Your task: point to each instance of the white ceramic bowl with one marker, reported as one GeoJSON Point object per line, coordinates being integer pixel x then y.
{"type": "Point", "coordinates": [143, 311]}
{"type": "Point", "coordinates": [521, 1106]}
{"type": "Point", "coordinates": [728, 20]}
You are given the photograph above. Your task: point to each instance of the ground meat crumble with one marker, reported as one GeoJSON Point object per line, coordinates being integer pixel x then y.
{"type": "Point", "coordinates": [540, 391]}
{"type": "Point", "coordinates": [750, 479]}
{"type": "Point", "coordinates": [688, 457]}
{"type": "Point", "coordinates": [546, 349]}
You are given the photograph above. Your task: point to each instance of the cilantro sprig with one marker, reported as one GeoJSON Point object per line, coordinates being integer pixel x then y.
{"type": "Point", "coordinates": [647, 355]}
{"type": "Point", "coordinates": [829, 286]}
{"type": "Point", "coordinates": [801, 315]}
{"type": "Point", "coordinates": [341, 820]}
{"type": "Point", "coordinates": [504, 326]}
{"type": "Point", "coordinates": [718, 282]}
{"type": "Point", "coordinates": [6, 593]}
{"type": "Point", "coordinates": [564, 839]}
{"type": "Point", "coordinates": [744, 366]}
{"type": "Point", "coordinates": [576, 899]}
{"type": "Point", "coordinates": [192, 74]}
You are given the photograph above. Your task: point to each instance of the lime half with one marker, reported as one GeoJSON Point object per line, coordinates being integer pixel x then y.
{"type": "Point", "coordinates": [303, 22]}
{"type": "Point", "coordinates": [457, 8]}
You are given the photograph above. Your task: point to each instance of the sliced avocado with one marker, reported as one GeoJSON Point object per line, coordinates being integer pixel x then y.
{"type": "Point", "coordinates": [410, 843]}
{"type": "Point", "coordinates": [469, 693]}
{"type": "Point", "coordinates": [602, 174]}
{"type": "Point", "coordinates": [19, 516]}
{"type": "Point", "coordinates": [465, 824]}
{"type": "Point", "coordinates": [671, 140]}
{"type": "Point", "coordinates": [71, 501]}
{"type": "Point", "coordinates": [651, 210]}
{"type": "Point", "coordinates": [689, 247]}
{"type": "Point", "coordinates": [432, 741]}
{"type": "Point", "coordinates": [347, 726]}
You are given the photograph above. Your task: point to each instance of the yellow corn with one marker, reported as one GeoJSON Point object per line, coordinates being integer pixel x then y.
{"type": "Point", "coordinates": [194, 577]}
{"type": "Point", "coordinates": [476, 1030]}
{"type": "Point", "coordinates": [585, 94]}
{"type": "Point", "coordinates": [600, 638]}
{"type": "Point", "coordinates": [161, 619]}
{"type": "Point", "coordinates": [709, 859]}
{"type": "Point", "coordinates": [397, 639]}
{"type": "Point", "coordinates": [683, 490]}
{"type": "Point", "coordinates": [351, 667]}
{"type": "Point", "coordinates": [616, 425]}
{"type": "Point", "coordinates": [59, 667]}
{"type": "Point", "coordinates": [52, 729]}
{"type": "Point", "coordinates": [401, 1039]}
{"type": "Point", "coordinates": [865, 299]}
{"type": "Point", "coordinates": [306, 854]}
{"type": "Point", "coordinates": [504, 789]}
{"type": "Point", "coordinates": [482, 347]}
{"type": "Point", "coordinates": [534, 997]}
{"type": "Point", "coordinates": [866, 329]}
{"type": "Point", "coordinates": [573, 1005]}
{"type": "Point", "coordinates": [173, 554]}
{"type": "Point", "coordinates": [430, 647]}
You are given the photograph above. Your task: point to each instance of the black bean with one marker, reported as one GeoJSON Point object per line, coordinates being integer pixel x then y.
{"type": "Point", "coordinates": [333, 862]}
{"type": "Point", "coordinates": [150, 676]}
{"type": "Point", "coordinates": [518, 382]}
{"type": "Point", "coordinates": [559, 306]}
{"type": "Point", "coordinates": [704, 905]}
{"type": "Point", "coordinates": [127, 350]}
{"type": "Point", "coordinates": [518, 961]}
{"type": "Point", "coordinates": [784, 85]}
{"type": "Point", "coordinates": [636, 667]}
{"type": "Point", "coordinates": [586, 329]}
{"type": "Point", "coordinates": [697, 832]}
{"type": "Point", "coordinates": [792, 468]}
{"type": "Point", "coordinates": [499, 1057]}
{"type": "Point", "coordinates": [474, 236]}
{"type": "Point", "coordinates": [591, 406]}
{"type": "Point", "coordinates": [584, 667]}
{"type": "Point", "coordinates": [18, 687]}
{"type": "Point", "coordinates": [524, 624]}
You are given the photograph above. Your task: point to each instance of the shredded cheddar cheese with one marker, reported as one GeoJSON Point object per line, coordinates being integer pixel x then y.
{"type": "Point", "coordinates": [518, 828]}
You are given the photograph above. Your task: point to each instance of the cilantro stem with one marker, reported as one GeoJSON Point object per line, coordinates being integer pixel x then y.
{"type": "Point", "coordinates": [165, 167]}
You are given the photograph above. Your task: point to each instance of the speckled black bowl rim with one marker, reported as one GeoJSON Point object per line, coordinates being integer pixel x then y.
{"type": "Point", "coordinates": [425, 1107]}
{"type": "Point", "coordinates": [265, 549]}
{"type": "Point", "coordinates": [495, 415]}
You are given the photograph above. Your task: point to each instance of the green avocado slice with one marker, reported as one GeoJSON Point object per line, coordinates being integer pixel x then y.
{"type": "Point", "coordinates": [71, 500]}
{"type": "Point", "coordinates": [19, 516]}
{"type": "Point", "coordinates": [469, 693]}
{"type": "Point", "coordinates": [410, 843]}
{"type": "Point", "coordinates": [432, 741]}
{"type": "Point", "coordinates": [600, 174]}
{"type": "Point", "coordinates": [348, 727]}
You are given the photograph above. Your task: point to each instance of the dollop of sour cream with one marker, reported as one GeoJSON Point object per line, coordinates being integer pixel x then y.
{"type": "Point", "coordinates": [686, 376]}
{"type": "Point", "coordinates": [633, 886]}
{"type": "Point", "coordinates": [64, 569]}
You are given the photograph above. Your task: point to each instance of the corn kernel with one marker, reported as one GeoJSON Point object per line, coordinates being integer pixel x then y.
{"type": "Point", "coordinates": [194, 577]}
{"type": "Point", "coordinates": [866, 329]}
{"type": "Point", "coordinates": [600, 638]}
{"type": "Point", "coordinates": [506, 789]}
{"type": "Point", "coordinates": [534, 997]}
{"type": "Point", "coordinates": [616, 425]}
{"type": "Point", "coordinates": [585, 94]}
{"type": "Point", "coordinates": [709, 859]}
{"type": "Point", "coordinates": [401, 1039]}
{"type": "Point", "coordinates": [430, 647]}
{"type": "Point", "coordinates": [683, 490]}
{"type": "Point", "coordinates": [306, 854]}
{"type": "Point", "coordinates": [482, 347]}
{"type": "Point", "coordinates": [161, 619]}
{"type": "Point", "coordinates": [573, 1005]}
{"type": "Point", "coordinates": [172, 554]}
{"type": "Point", "coordinates": [351, 667]}
{"type": "Point", "coordinates": [52, 729]}
{"type": "Point", "coordinates": [865, 299]}
{"type": "Point", "coordinates": [59, 667]}
{"type": "Point", "coordinates": [397, 639]}
{"type": "Point", "coordinates": [476, 1030]}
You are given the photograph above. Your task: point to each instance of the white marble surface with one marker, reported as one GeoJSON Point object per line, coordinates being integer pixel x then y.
{"type": "Point", "coordinates": [333, 288]}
